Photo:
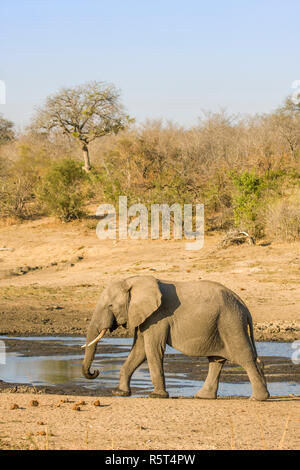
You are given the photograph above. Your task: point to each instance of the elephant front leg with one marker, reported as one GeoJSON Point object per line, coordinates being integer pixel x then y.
{"type": "Point", "coordinates": [211, 384]}
{"type": "Point", "coordinates": [136, 357]}
{"type": "Point", "coordinates": [155, 356]}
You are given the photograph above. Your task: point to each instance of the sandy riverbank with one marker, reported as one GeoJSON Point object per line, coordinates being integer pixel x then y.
{"type": "Point", "coordinates": [52, 274]}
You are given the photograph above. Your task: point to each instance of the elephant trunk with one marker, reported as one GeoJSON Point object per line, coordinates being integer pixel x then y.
{"type": "Point", "coordinates": [90, 349]}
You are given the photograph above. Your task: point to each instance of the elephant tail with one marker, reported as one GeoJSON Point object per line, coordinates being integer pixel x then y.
{"type": "Point", "coordinates": [259, 362]}
{"type": "Point", "coordinates": [250, 323]}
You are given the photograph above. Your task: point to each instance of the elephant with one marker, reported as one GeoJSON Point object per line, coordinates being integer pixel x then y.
{"type": "Point", "coordinates": [198, 318]}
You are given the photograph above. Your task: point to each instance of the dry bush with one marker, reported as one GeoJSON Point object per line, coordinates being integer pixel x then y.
{"type": "Point", "coordinates": [22, 165]}
{"type": "Point", "coordinates": [167, 163]}
{"type": "Point", "coordinates": [282, 218]}
{"type": "Point", "coordinates": [17, 187]}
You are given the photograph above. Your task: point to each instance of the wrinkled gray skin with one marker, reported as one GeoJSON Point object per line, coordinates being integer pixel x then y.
{"type": "Point", "coordinates": [198, 318]}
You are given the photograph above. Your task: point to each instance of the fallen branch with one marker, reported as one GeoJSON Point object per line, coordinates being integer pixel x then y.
{"type": "Point", "coordinates": [236, 237]}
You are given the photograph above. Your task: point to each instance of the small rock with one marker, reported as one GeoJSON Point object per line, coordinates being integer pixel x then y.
{"type": "Point", "coordinates": [40, 423]}
{"type": "Point", "coordinates": [14, 406]}
{"type": "Point", "coordinates": [76, 408]}
{"type": "Point", "coordinates": [34, 403]}
{"type": "Point", "coordinates": [41, 433]}
{"type": "Point", "coordinates": [96, 403]}
{"type": "Point", "coordinates": [25, 270]}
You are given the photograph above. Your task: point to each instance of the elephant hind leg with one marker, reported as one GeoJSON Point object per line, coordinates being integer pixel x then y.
{"type": "Point", "coordinates": [211, 384]}
{"type": "Point", "coordinates": [257, 379]}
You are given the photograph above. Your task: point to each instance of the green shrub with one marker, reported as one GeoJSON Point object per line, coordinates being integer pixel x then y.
{"type": "Point", "coordinates": [247, 195]}
{"type": "Point", "coordinates": [64, 190]}
{"type": "Point", "coordinates": [107, 186]}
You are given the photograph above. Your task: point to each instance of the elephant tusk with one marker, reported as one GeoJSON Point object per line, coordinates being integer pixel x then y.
{"type": "Point", "coordinates": [102, 333]}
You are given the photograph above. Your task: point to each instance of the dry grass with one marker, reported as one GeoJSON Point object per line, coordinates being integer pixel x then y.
{"type": "Point", "coordinates": [282, 218]}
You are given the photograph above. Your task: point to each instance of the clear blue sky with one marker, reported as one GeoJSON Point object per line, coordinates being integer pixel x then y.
{"type": "Point", "coordinates": [170, 58]}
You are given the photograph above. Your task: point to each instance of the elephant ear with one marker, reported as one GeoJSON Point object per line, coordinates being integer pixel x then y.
{"type": "Point", "coordinates": [145, 298]}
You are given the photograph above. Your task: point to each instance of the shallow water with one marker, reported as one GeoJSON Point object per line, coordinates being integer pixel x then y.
{"type": "Point", "coordinates": [66, 369]}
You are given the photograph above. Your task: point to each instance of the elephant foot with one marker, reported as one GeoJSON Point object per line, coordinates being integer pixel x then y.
{"type": "Point", "coordinates": [206, 394]}
{"type": "Point", "coordinates": [121, 393]}
{"type": "Point", "coordinates": [260, 396]}
{"type": "Point", "coordinates": [162, 394]}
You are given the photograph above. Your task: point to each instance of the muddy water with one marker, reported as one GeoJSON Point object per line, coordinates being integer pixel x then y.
{"type": "Point", "coordinates": [55, 362]}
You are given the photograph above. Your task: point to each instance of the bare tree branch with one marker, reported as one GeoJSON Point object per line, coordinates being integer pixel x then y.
{"type": "Point", "coordinates": [85, 112]}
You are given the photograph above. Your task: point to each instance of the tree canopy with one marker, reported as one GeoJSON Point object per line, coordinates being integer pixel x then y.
{"type": "Point", "coordinates": [84, 112]}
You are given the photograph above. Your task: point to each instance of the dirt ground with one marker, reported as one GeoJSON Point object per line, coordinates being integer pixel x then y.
{"type": "Point", "coordinates": [51, 276]}
{"type": "Point", "coordinates": [145, 423]}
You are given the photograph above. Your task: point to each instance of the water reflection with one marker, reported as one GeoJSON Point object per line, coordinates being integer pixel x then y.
{"type": "Point", "coordinates": [56, 370]}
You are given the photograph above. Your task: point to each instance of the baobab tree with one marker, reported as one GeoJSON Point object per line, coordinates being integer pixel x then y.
{"type": "Point", "coordinates": [84, 113]}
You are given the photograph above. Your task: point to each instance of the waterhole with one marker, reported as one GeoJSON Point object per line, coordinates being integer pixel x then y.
{"type": "Point", "coordinates": [60, 358]}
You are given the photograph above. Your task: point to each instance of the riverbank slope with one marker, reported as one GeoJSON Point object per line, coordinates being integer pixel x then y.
{"type": "Point", "coordinates": [52, 274]}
